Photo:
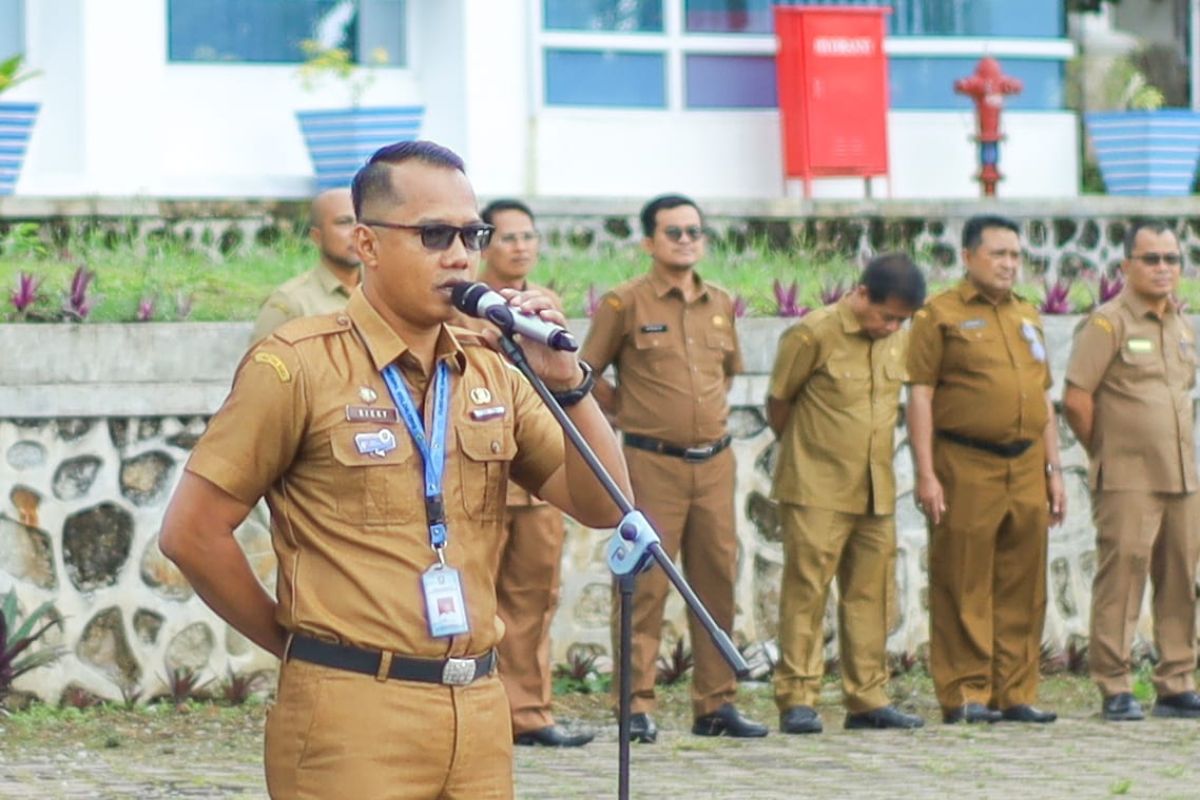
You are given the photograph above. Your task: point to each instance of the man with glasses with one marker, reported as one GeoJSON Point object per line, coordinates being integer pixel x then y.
{"type": "Point", "coordinates": [382, 439]}
{"type": "Point", "coordinates": [671, 338]}
{"type": "Point", "coordinates": [530, 558]}
{"type": "Point", "coordinates": [989, 480]}
{"type": "Point", "coordinates": [326, 287]}
{"type": "Point", "coordinates": [1129, 401]}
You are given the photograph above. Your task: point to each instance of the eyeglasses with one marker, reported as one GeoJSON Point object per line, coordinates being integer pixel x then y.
{"type": "Point", "coordinates": [1153, 259]}
{"type": "Point", "coordinates": [526, 237]}
{"type": "Point", "coordinates": [676, 233]}
{"type": "Point", "coordinates": [438, 236]}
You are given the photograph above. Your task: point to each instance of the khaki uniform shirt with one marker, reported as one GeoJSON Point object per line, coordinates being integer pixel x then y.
{"type": "Point", "coordinates": [673, 358]}
{"type": "Point", "coordinates": [317, 291]}
{"type": "Point", "coordinates": [986, 362]}
{"type": "Point", "coordinates": [837, 448]}
{"type": "Point", "coordinates": [1140, 369]}
{"type": "Point", "coordinates": [350, 528]}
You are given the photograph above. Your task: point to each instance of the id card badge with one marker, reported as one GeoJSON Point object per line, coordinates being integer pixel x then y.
{"type": "Point", "coordinates": [444, 606]}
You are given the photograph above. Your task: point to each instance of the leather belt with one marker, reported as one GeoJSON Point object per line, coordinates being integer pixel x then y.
{"type": "Point", "coordinates": [1009, 450]}
{"type": "Point", "coordinates": [698, 453]}
{"type": "Point", "coordinates": [451, 671]}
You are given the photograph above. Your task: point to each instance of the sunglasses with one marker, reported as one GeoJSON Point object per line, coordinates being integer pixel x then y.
{"type": "Point", "coordinates": [438, 236]}
{"type": "Point", "coordinates": [1153, 259]}
{"type": "Point", "coordinates": [676, 233]}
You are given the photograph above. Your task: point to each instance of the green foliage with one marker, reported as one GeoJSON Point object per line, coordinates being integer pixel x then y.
{"type": "Point", "coordinates": [11, 74]}
{"type": "Point", "coordinates": [18, 637]}
{"type": "Point", "coordinates": [674, 668]}
{"type": "Point", "coordinates": [1143, 683]}
{"type": "Point", "coordinates": [338, 63]}
{"type": "Point", "coordinates": [578, 675]}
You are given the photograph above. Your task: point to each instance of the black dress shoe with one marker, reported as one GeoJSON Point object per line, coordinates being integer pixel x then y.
{"type": "Point", "coordinates": [553, 736]}
{"type": "Point", "coordinates": [1185, 705]}
{"type": "Point", "coordinates": [1121, 707]}
{"type": "Point", "coordinates": [970, 713]}
{"type": "Point", "coordinates": [1027, 713]}
{"type": "Point", "coordinates": [800, 719]}
{"type": "Point", "coordinates": [886, 717]}
{"type": "Point", "coordinates": [728, 721]}
{"type": "Point", "coordinates": [642, 729]}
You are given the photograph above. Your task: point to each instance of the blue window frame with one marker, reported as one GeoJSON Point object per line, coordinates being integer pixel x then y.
{"type": "Point", "coordinates": [12, 28]}
{"type": "Point", "coordinates": [605, 78]}
{"type": "Point", "coordinates": [270, 31]}
{"type": "Point", "coordinates": [730, 81]}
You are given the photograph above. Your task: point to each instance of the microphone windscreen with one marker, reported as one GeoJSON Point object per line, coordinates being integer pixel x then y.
{"type": "Point", "coordinates": [466, 296]}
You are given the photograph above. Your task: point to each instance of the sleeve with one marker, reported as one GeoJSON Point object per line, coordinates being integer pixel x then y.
{"type": "Point", "coordinates": [1096, 343]}
{"type": "Point", "coordinates": [924, 362]}
{"type": "Point", "coordinates": [274, 312]}
{"type": "Point", "coordinates": [539, 438]}
{"type": "Point", "coordinates": [607, 329]}
{"type": "Point", "coordinates": [795, 361]}
{"type": "Point", "coordinates": [733, 360]}
{"type": "Point", "coordinates": [255, 435]}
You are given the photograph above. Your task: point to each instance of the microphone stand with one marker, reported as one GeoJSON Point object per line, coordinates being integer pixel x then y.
{"type": "Point", "coordinates": [634, 547]}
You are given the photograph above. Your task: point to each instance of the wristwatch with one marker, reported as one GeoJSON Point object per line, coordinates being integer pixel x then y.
{"type": "Point", "coordinates": [572, 396]}
{"type": "Point", "coordinates": [1052, 468]}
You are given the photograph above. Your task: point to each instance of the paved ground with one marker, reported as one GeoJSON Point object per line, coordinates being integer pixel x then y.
{"type": "Point", "coordinates": [1077, 758]}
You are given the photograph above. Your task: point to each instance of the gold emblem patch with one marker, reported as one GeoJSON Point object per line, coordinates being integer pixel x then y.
{"type": "Point", "coordinates": [480, 396]}
{"type": "Point", "coordinates": [1102, 324]}
{"type": "Point", "coordinates": [276, 363]}
{"type": "Point", "coordinates": [719, 321]}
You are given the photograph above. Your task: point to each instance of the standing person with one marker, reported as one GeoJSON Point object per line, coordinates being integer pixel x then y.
{"type": "Point", "coordinates": [671, 337]}
{"type": "Point", "coordinates": [325, 288]}
{"type": "Point", "coordinates": [989, 480]}
{"type": "Point", "coordinates": [530, 557]}
{"type": "Point", "coordinates": [833, 402]}
{"type": "Point", "coordinates": [383, 441]}
{"type": "Point", "coordinates": [1129, 401]}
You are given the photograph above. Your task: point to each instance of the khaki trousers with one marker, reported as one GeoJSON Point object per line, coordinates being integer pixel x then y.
{"type": "Point", "coordinates": [527, 581]}
{"type": "Point", "coordinates": [691, 507]}
{"type": "Point", "coordinates": [860, 550]}
{"type": "Point", "coordinates": [1140, 535]}
{"type": "Point", "coordinates": [987, 576]}
{"type": "Point", "coordinates": [333, 733]}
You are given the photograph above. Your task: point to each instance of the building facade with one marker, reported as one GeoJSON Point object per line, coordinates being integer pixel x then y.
{"type": "Point", "coordinates": [544, 98]}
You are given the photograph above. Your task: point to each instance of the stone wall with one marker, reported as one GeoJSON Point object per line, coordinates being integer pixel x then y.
{"type": "Point", "coordinates": [87, 464]}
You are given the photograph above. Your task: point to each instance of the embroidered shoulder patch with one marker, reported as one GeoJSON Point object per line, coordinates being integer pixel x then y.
{"type": "Point", "coordinates": [613, 301]}
{"type": "Point", "coordinates": [276, 363]}
{"type": "Point", "coordinates": [1101, 323]}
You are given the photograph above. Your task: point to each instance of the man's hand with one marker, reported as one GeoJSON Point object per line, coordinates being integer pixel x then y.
{"type": "Point", "coordinates": [558, 368]}
{"type": "Point", "coordinates": [931, 499]}
{"type": "Point", "coordinates": [1056, 493]}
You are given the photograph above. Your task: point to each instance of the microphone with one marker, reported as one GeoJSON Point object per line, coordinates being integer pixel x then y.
{"type": "Point", "coordinates": [477, 300]}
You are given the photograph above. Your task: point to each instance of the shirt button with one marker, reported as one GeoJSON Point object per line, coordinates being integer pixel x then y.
{"type": "Point", "coordinates": [495, 447]}
{"type": "Point", "coordinates": [343, 320]}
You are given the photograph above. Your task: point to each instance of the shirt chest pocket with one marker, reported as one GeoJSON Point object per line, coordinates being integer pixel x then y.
{"type": "Point", "coordinates": [484, 453]}
{"type": "Point", "coordinates": [375, 492]}
{"type": "Point", "coordinates": [653, 343]}
{"type": "Point", "coordinates": [972, 347]}
{"type": "Point", "coordinates": [1140, 358]}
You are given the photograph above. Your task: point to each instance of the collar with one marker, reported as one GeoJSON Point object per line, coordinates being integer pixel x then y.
{"type": "Point", "coordinates": [385, 346]}
{"type": "Point", "coordinates": [850, 322]}
{"type": "Point", "coordinates": [970, 293]}
{"type": "Point", "coordinates": [329, 282]}
{"type": "Point", "coordinates": [1139, 307]}
{"type": "Point", "coordinates": [662, 288]}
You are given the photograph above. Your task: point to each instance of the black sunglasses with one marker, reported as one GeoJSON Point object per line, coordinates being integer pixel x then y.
{"type": "Point", "coordinates": [1153, 259]}
{"type": "Point", "coordinates": [438, 236]}
{"type": "Point", "coordinates": [675, 233]}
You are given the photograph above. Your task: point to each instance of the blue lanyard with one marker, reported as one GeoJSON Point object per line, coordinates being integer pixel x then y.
{"type": "Point", "coordinates": [431, 448]}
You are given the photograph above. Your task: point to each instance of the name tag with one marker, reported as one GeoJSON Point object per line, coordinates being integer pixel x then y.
{"type": "Point", "coordinates": [487, 413]}
{"type": "Point", "coordinates": [659, 328]}
{"type": "Point", "coordinates": [1139, 346]}
{"type": "Point", "coordinates": [972, 324]}
{"type": "Point", "coordinates": [371, 414]}
{"type": "Point", "coordinates": [444, 605]}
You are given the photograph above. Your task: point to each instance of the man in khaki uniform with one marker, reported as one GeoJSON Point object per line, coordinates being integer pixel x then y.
{"type": "Point", "coordinates": [527, 576]}
{"type": "Point", "coordinates": [326, 287]}
{"type": "Point", "coordinates": [1129, 400]}
{"type": "Point", "coordinates": [386, 611]}
{"type": "Point", "coordinates": [672, 340]}
{"type": "Point", "coordinates": [833, 402]}
{"type": "Point", "coordinates": [985, 442]}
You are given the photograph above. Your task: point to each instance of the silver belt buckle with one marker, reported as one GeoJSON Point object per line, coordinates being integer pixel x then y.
{"type": "Point", "coordinates": [697, 453]}
{"type": "Point", "coordinates": [458, 671]}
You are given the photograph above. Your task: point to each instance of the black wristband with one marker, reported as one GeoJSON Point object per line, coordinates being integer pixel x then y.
{"type": "Point", "coordinates": [572, 396]}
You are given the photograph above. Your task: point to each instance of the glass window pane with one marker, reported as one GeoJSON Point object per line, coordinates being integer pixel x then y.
{"type": "Point", "coordinates": [928, 83]}
{"type": "Point", "coordinates": [12, 28]}
{"type": "Point", "coordinates": [1015, 18]}
{"type": "Point", "coordinates": [728, 16]}
{"type": "Point", "coordinates": [269, 31]}
{"type": "Point", "coordinates": [623, 16]}
{"type": "Point", "coordinates": [605, 78]}
{"type": "Point", "coordinates": [730, 81]}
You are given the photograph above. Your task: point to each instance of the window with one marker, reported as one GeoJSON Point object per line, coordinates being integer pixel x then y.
{"type": "Point", "coordinates": [270, 31]}
{"type": "Point", "coordinates": [625, 16]}
{"type": "Point", "coordinates": [607, 78]}
{"type": "Point", "coordinates": [928, 83]}
{"type": "Point", "coordinates": [721, 81]}
{"type": "Point", "coordinates": [12, 28]}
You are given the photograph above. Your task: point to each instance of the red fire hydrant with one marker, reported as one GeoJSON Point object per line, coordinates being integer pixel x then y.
{"type": "Point", "coordinates": [987, 86]}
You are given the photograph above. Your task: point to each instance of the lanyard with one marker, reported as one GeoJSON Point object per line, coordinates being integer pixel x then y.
{"type": "Point", "coordinates": [432, 447]}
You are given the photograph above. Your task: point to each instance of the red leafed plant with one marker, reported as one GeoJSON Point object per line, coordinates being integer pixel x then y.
{"type": "Point", "coordinates": [79, 303]}
{"type": "Point", "coordinates": [1110, 289]}
{"type": "Point", "coordinates": [25, 295]}
{"type": "Point", "coordinates": [785, 300]}
{"type": "Point", "coordinates": [831, 293]}
{"type": "Point", "coordinates": [739, 306]}
{"type": "Point", "coordinates": [1057, 299]}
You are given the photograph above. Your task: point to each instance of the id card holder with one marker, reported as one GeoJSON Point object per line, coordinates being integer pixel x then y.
{"type": "Point", "coordinates": [444, 605]}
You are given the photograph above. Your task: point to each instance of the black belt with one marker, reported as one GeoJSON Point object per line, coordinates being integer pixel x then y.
{"type": "Point", "coordinates": [698, 453]}
{"type": "Point", "coordinates": [452, 671]}
{"type": "Point", "coordinates": [1010, 450]}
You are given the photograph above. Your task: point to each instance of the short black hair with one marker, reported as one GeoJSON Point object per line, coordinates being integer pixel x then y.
{"type": "Point", "coordinates": [504, 204]}
{"type": "Point", "coordinates": [1139, 225]}
{"type": "Point", "coordinates": [662, 203]}
{"type": "Point", "coordinates": [894, 275]}
{"type": "Point", "coordinates": [374, 180]}
{"type": "Point", "coordinates": [973, 230]}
